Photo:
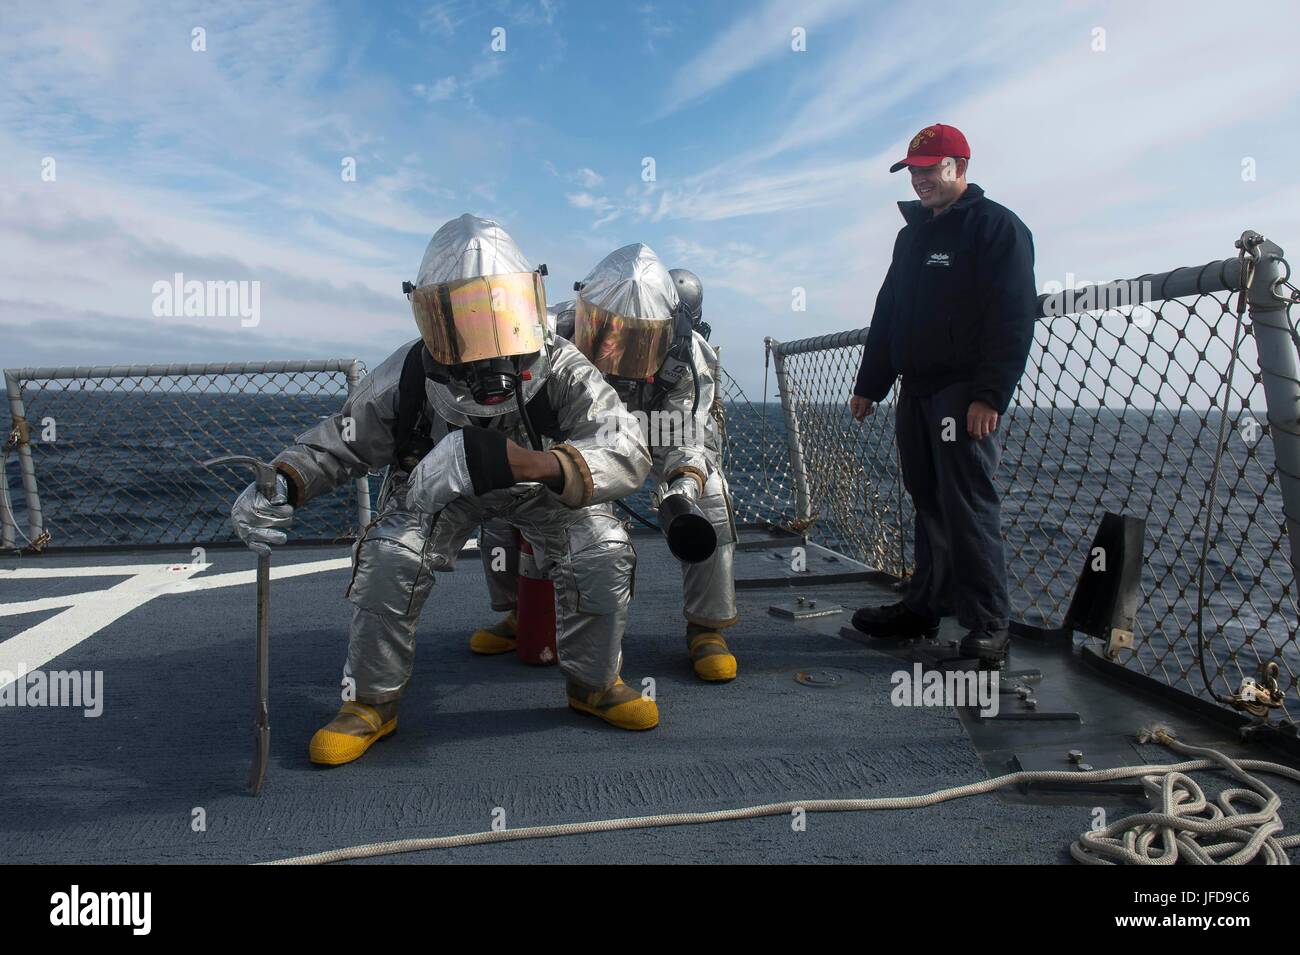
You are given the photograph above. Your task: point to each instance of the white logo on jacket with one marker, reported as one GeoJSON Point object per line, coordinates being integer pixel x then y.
{"type": "Point", "coordinates": [939, 258]}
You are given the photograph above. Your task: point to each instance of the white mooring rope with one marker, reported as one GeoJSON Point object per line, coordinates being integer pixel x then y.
{"type": "Point", "coordinates": [1171, 834]}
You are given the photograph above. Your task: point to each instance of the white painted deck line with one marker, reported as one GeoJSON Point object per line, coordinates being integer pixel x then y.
{"type": "Point", "coordinates": [104, 570]}
{"type": "Point", "coordinates": [90, 611]}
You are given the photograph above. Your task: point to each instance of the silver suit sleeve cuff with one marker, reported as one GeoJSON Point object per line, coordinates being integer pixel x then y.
{"type": "Point", "coordinates": [698, 476]}
{"type": "Point", "coordinates": [578, 487]}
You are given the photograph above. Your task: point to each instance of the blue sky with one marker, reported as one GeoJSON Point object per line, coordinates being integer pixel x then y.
{"type": "Point", "coordinates": [771, 164]}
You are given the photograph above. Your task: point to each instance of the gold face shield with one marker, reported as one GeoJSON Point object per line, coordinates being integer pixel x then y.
{"type": "Point", "coordinates": [491, 316]}
{"type": "Point", "coordinates": [621, 346]}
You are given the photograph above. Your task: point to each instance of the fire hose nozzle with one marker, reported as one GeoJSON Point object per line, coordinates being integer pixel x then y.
{"type": "Point", "coordinates": [690, 534]}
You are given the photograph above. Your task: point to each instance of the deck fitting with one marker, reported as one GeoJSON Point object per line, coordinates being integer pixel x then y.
{"type": "Point", "coordinates": [821, 678]}
{"type": "Point", "coordinates": [803, 609]}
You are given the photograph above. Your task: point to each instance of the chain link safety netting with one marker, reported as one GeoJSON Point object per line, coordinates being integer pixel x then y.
{"type": "Point", "coordinates": [117, 454]}
{"type": "Point", "coordinates": [755, 459]}
{"type": "Point", "coordinates": [1118, 411]}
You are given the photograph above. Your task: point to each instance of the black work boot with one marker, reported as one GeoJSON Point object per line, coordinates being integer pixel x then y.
{"type": "Point", "coordinates": [990, 647]}
{"type": "Point", "coordinates": [895, 622]}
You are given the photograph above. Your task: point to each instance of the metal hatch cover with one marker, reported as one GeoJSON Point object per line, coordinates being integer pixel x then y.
{"type": "Point", "coordinates": [803, 608]}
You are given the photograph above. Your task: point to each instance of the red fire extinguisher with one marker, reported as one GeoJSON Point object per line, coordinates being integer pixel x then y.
{"type": "Point", "coordinates": [534, 612]}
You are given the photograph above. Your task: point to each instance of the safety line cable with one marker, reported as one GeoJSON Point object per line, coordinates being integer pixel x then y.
{"type": "Point", "coordinates": [1247, 271]}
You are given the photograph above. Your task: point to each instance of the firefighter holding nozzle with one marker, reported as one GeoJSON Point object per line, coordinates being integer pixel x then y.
{"type": "Point", "coordinates": [642, 327]}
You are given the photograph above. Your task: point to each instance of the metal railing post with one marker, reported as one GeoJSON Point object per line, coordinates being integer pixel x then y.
{"type": "Point", "coordinates": [1275, 345]}
{"type": "Point", "coordinates": [793, 437]}
{"type": "Point", "coordinates": [26, 467]}
{"type": "Point", "coordinates": [362, 483]}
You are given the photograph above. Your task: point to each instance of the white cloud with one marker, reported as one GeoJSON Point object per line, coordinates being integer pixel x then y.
{"type": "Point", "coordinates": [749, 42]}
{"type": "Point", "coordinates": [488, 67]}
{"type": "Point", "coordinates": [441, 89]}
{"type": "Point", "coordinates": [444, 17]}
{"type": "Point", "coordinates": [716, 196]}
{"type": "Point", "coordinates": [95, 234]}
{"type": "Point", "coordinates": [803, 188]}
{"type": "Point", "coordinates": [605, 210]}
{"type": "Point", "coordinates": [585, 200]}
{"type": "Point", "coordinates": [655, 27]}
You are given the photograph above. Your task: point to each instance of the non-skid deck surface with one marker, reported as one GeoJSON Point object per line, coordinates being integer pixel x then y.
{"type": "Point", "coordinates": [477, 735]}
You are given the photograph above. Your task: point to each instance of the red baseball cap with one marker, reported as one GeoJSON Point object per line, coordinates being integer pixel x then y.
{"type": "Point", "coordinates": [933, 143]}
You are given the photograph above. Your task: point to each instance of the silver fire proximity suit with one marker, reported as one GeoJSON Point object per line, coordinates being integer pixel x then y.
{"type": "Point", "coordinates": [709, 593]}
{"type": "Point", "coordinates": [708, 588]}
{"type": "Point", "coordinates": [582, 547]}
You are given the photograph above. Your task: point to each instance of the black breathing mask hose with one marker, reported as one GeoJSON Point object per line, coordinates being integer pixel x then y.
{"type": "Point", "coordinates": [695, 384]}
{"type": "Point", "coordinates": [518, 377]}
{"type": "Point", "coordinates": [682, 349]}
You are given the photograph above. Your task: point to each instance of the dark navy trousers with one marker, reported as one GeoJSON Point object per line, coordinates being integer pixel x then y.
{"type": "Point", "coordinates": [961, 565]}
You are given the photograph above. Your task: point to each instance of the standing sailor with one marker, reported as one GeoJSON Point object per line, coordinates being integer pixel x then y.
{"type": "Point", "coordinates": [445, 415]}
{"type": "Point", "coordinates": [954, 318]}
{"type": "Point", "coordinates": [640, 325]}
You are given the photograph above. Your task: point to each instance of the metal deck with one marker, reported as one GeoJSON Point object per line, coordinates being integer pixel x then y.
{"type": "Point", "coordinates": [478, 733]}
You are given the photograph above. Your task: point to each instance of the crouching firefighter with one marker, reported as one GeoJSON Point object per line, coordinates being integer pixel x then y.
{"type": "Point", "coordinates": [641, 326]}
{"type": "Point", "coordinates": [480, 417]}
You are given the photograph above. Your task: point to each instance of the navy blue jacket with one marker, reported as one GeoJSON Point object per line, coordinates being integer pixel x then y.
{"type": "Point", "coordinates": [958, 304]}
